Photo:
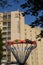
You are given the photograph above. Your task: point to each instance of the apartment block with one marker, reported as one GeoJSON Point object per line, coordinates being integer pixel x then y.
{"type": "Point", "coordinates": [36, 56]}
{"type": "Point", "coordinates": [13, 27]}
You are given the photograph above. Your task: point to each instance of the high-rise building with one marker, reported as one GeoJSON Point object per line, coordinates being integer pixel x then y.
{"type": "Point", "coordinates": [13, 27]}
{"type": "Point", "coordinates": [11, 23]}
{"type": "Point", "coordinates": [6, 35]}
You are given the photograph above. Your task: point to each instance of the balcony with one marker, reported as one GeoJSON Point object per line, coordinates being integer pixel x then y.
{"type": "Point", "coordinates": [4, 31]}
{"type": "Point", "coordinates": [4, 53]}
{"type": "Point", "coordinates": [4, 41]}
{"type": "Point", "coordinates": [4, 25]}
{"type": "Point", "coordinates": [3, 60]}
{"type": "Point", "coordinates": [4, 36]}
{"type": "Point", "coordinates": [4, 28]}
{"type": "Point", "coordinates": [4, 47]}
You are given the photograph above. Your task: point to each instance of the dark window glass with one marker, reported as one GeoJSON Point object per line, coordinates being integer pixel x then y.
{"type": "Point", "coordinates": [4, 38]}
{"type": "Point", "coordinates": [4, 50]}
{"type": "Point", "coordinates": [4, 16]}
{"type": "Point", "coordinates": [4, 33]}
{"type": "Point", "coordinates": [9, 38]}
{"type": "Point", "coordinates": [9, 16]}
{"type": "Point", "coordinates": [9, 24]}
{"type": "Point", "coordinates": [4, 28]}
{"type": "Point", "coordinates": [9, 33]}
{"type": "Point", "coordinates": [4, 23]}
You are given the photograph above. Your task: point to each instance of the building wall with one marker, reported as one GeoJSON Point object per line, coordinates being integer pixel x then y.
{"type": "Point", "coordinates": [22, 27]}
{"type": "Point", "coordinates": [17, 25]}
{"type": "Point", "coordinates": [4, 25]}
{"type": "Point", "coordinates": [15, 28]}
{"type": "Point", "coordinates": [26, 32]}
{"type": "Point", "coordinates": [36, 56]}
{"type": "Point", "coordinates": [14, 25]}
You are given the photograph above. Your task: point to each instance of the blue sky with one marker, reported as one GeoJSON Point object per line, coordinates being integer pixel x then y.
{"type": "Point", "coordinates": [16, 6]}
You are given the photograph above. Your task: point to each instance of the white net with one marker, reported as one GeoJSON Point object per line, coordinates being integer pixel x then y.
{"type": "Point", "coordinates": [21, 50]}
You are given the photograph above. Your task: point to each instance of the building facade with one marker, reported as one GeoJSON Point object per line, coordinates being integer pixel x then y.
{"type": "Point", "coordinates": [11, 24]}
{"type": "Point", "coordinates": [36, 56]}
{"type": "Point", "coordinates": [13, 27]}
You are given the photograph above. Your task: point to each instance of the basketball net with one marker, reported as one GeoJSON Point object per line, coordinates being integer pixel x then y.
{"type": "Point", "coordinates": [21, 49]}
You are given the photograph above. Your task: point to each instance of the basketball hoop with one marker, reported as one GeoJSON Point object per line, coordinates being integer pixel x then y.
{"type": "Point", "coordinates": [26, 41]}
{"type": "Point", "coordinates": [20, 49]}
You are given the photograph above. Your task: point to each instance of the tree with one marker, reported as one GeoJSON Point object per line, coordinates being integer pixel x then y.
{"type": "Point", "coordinates": [34, 7]}
{"type": "Point", "coordinates": [1, 44]}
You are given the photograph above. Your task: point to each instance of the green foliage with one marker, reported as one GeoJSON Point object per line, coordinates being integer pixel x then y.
{"type": "Point", "coordinates": [34, 7]}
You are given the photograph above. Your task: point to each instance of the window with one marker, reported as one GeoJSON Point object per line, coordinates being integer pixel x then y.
{"type": "Point", "coordinates": [9, 33]}
{"type": "Point", "coordinates": [9, 24]}
{"type": "Point", "coordinates": [4, 23]}
{"type": "Point", "coordinates": [25, 33]}
{"type": "Point", "coordinates": [8, 55]}
{"type": "Point", "coordinates": [9, 38]}
{"type": "Point", "coordinates": [4, 28]}
{"type": "Point", "coordinates": [9, 16]}
{"type": "Point", "coordinates": [4, 33]}
{"type": "Point", "coordinates": [4, 56]}
{"type": "Point", "coordinates": [4, 38]}
{"type": "Point", "coordinates": [4, 16]}
{"type": "Point", "coordinates": [4, 49]}
{"type": "Point", "coordinates": [30, 31]}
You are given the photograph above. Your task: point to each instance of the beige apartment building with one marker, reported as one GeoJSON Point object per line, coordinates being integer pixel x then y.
{"type": "Point", "coordinates": [13, 27]}
{"type": "Point", "coordinates": [36, 56]}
